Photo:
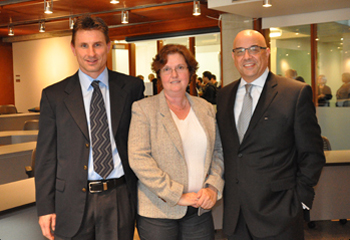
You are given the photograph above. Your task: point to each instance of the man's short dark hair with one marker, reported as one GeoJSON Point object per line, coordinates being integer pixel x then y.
{"type": "Point", "coordinates": [207, 74]}
{"type": "Point", "coordinates": [90, 23]}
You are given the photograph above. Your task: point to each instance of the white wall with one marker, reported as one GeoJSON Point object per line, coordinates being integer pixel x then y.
{"type": "Point", "coordinates": [40, 63]}
{"type": "Point", "coordinates": [208, 58]}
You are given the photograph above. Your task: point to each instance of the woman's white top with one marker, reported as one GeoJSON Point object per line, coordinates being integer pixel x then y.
{"type": "Point", "coordinates": [194, 141]}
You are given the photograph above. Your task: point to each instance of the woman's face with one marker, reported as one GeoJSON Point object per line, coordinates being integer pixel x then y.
{"type": "Point", "coordinates": [175, 75]}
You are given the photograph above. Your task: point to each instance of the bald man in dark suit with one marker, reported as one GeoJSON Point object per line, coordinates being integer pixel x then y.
{"type": "Point", "coordinates": [273, 150]}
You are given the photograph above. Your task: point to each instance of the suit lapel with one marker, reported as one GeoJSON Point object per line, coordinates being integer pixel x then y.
{"type": "Point", "coordinates": [229, 109]}
{"type": "Point", "coordinates": [117, 99]}
{"type": "Point", "coordinates": [267, 95]}
{"type": "Point", "coordinates": [169, 124]}
{"type": "Point", "coordinates": [75, 104]}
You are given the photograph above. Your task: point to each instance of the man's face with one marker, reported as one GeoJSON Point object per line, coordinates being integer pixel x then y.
{"type": "Point", "coordinates": [250, 66]}
{"type": "Point", "coordinates": [91, 51]}
{"type": "Point", "coordinates": [205, 80]}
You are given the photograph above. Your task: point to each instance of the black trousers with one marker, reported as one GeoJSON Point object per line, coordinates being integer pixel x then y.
{"type": "Point", "coordinates": [293, 232]}
{"type": "Point", "coordinates": [108, 216]}
{"type": "Point", "coordinates": [190, 227]}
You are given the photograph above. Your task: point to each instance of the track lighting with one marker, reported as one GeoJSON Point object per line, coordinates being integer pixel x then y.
{"type": "Point", "coordinates": [267, 3]}
{"type": "Point", "coordinates": [71, 23]}
{"type": "Point", "coordinates": [196, 8]}
{"type": "Point", "coordinates": [48, 5]}
{"type": "Point", "coordinates": [10, 31]}
{"type": "Point", "coordinates": [125, 17]}
{"type": "Point", "coordinates": [42, 26]}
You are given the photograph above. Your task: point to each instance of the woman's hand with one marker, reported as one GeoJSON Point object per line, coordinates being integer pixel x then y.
{"type": "Point", "coordinates": [189, 199]}
{"type": "Point", "coordinates": [207, 197]}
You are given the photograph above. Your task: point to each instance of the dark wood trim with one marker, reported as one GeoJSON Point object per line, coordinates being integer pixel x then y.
{"type": "Point", "coordinates": [192, 43]}
{"type": "Point", "coordinates": [110, 58]}
{"type": "Point", "coordinates": [132, 59]}
{"type": "Point", "coordinates": [313, 42]}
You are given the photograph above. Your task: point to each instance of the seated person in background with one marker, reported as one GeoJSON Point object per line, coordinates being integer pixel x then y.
{"type": "Point", "coordinates": [154, 82]}
{"type": "Point", "coordinates": [300, 78]}
{"type": "Point", "coordinates": [140, 77]}
{"type": "Point", "coordinates": [291, 73]}
{"type": "Point", "coordinates": [209, 90]}
{"type": "Point", "coordinates": [343, 93]}
{"type": "Point", "coordinates": [324, 93]}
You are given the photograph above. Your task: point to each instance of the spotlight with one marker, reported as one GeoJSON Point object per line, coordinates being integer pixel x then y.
{"type": "Point", "coordinates": [42, 26]}
{"type": "Point", "coordinates": [71, 23]}
{"type": "Point", "coordinates": [196, 8]}
{"type": "Point", "coordinates": [10, 31]}
{"type": "Point", "coordinates": [125, 17]}
{"type": "Point", "coordinates": [267, 3]}
{"type": "Point", "coordinates": [48, 5]}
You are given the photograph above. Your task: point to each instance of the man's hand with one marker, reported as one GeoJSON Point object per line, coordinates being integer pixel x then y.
{"type": "Point", "coordinates": [207, 197]}
{"type": "Point", "coordinates": [48, 224]}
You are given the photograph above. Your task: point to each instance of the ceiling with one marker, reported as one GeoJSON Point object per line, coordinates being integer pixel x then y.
{"type": "Point", "coordinates": [146, 17]}
{"type": "Point", "coordinates": [254, 9]}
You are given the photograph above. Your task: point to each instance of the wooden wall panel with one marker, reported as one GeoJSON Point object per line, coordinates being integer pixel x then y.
{"type": "Point", "coordinates": [7, 94]}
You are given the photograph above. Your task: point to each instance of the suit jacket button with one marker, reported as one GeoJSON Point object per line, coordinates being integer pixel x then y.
{"type": "Point", "coordinates": [85, 167]}
{"type": "Point", "coordinates": [87, 145]}
{"type": "Point", "coordinates": [84, 189]}
{"type": "Point", "coordinates": [240, 155]}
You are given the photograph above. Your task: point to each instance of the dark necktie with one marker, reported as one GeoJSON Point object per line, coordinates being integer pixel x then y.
{"type": "Point", "coordinates": [246, 114]}
{"type": "Point", "coordinates": [100, 137]}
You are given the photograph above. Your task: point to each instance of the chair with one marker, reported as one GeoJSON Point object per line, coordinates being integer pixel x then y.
{"type": "Point", "coordinates": [326, 144]}
{"type": "Point", "coordinates": [8, 109]}
{"type": "Point", "coordinates": [32, 124]}
{"type": "Point", "coordinates": [30, 169]}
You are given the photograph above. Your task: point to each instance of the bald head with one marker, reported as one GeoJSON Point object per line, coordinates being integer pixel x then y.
{"type": "Point", "coordinates": [249, 34]}
{"type": "Point", "coordinates": [253, 62]}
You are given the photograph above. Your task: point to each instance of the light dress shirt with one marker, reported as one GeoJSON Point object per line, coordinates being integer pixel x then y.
{"type": "Point", "coordinates": [87, 90]}
{"type": "Point", "coordinates": [194, 142]}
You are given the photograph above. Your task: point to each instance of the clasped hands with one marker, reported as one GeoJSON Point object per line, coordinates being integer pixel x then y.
{"type": "Point", "coordinates": [204, 198]}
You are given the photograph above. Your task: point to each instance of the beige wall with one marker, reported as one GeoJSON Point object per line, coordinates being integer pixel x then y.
{"type": "Point", "coordinates": [37, 64]}
{"type": "Point", "coordinates": [231, 25]}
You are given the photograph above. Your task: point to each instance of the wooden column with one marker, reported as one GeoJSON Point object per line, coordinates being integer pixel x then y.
{"type": "Point", "coordinates": [313, 41]}
{"type": "Point", "coordinates": [192, 43]}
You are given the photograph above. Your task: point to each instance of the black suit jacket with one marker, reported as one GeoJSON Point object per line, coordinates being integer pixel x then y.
{"type": "Point", "coordinates": [279, 161]}
{"type": "Point", "coordinates": [63, 147]}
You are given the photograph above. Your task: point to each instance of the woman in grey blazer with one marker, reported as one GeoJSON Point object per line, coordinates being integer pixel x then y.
{"type": "Point", "coordinates": [175, 151]}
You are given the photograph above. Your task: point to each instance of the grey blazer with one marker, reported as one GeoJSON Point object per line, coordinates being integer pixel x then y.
{"type": "Point", "coordinates": [156, 155]}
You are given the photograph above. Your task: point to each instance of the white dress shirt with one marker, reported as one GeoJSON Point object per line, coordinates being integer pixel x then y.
{"type": "Point", "coordinates": [87, 90]}
{"type": "Point", "coordinates": [257, 87]}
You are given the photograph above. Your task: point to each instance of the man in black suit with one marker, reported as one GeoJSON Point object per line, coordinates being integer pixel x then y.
{"type": "Point", "coordinates": [272, 164]}
{"type": "Point", "coordinates": [75, 200]}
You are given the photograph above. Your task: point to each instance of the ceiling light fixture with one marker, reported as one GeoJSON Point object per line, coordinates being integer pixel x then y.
{"type": "Point", "coordinates": [42, 26]}
{"type": "Point", "coordinates": [114, 1]}
{"type": "Point", "coordinates": [71, 23]}
{"type": "Point", "coordinates": [10, 30]}
{"type": "Point", "coordinates": [125, 17]}
{"type": "Point", "coordinates": [48, 5]}
{"type": "Point", "coordinates": [196, 8]}
{"type": "Point", "coordinates": [267, 3]}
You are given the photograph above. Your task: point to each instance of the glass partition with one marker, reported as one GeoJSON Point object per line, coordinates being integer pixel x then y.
{"type": "Point", "coordinates": [333, 91]}
{"type": "Point", "coordinates": [290, 49]}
